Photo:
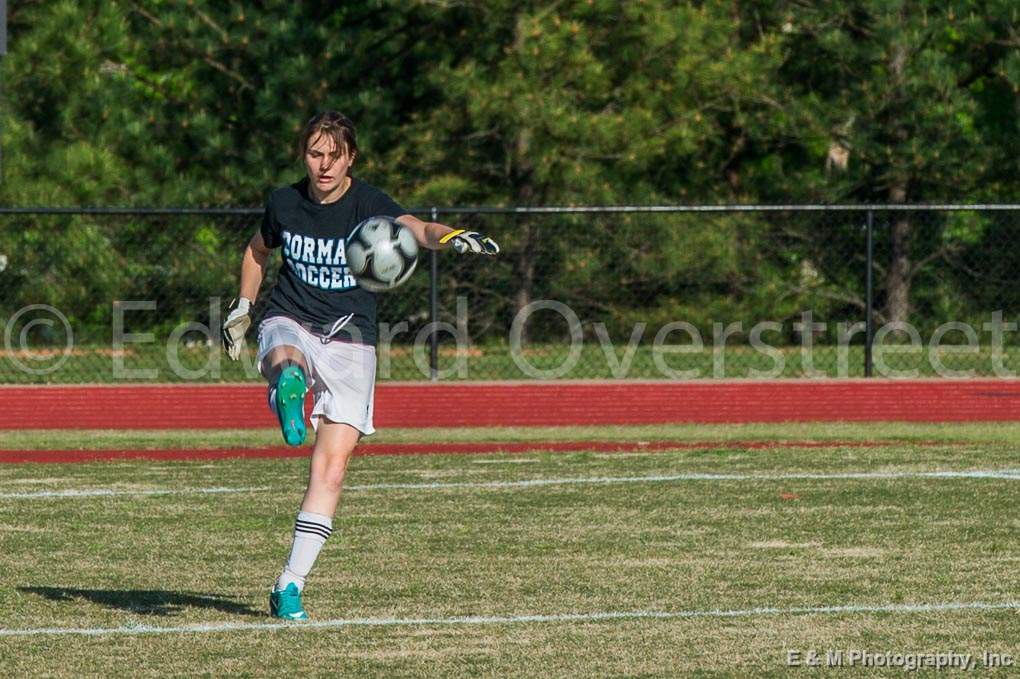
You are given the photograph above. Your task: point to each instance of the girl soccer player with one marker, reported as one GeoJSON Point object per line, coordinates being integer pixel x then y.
{"type": "Point", "coordinates": [319, 331]}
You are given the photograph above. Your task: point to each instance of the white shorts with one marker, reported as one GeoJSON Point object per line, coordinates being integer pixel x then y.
{"type": "Point", "coordinates": [341, 374]}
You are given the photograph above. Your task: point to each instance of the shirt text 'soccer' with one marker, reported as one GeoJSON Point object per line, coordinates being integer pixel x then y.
{"type": "Point", "coordinates": [315, 287]}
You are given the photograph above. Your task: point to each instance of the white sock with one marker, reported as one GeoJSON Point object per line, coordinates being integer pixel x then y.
{"type": "Point", "coordinates": [272, 399]}
{"type": "Point", "coordinates": [310, 534]}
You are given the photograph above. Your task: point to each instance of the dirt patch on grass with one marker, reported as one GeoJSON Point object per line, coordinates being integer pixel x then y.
{"type": "Point", "coordinates": [783, 544]}
{"type": "Point", "coordinates": [855, 552]}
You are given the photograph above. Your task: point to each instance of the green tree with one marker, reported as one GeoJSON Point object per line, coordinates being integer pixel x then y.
{"type": "Point", "coordinates": [192, 102]}
{"type": "Point", "coordinates": [591, 103]}
{"type": "Point", "coordinates": [898, 102]}
{"type": "Point", "coordinates": [539, 102]}
{"type": "Point", "coordinates": [177, 102]}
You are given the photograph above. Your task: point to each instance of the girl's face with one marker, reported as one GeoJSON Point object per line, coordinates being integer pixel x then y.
{"type": "Point", "coordinates": [327, 167]}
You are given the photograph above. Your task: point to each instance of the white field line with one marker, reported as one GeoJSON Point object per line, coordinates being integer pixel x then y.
{"type": "Point", "coordinates": [1009, 474]}
{"type": "Point", "coordinates": [205, 628]}
{"type": "Point", "coordinates": [111, 492]}
{"type": "Point", "coordinates": [1012, 474]}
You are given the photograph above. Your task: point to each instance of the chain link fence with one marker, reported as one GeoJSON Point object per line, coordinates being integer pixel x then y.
{"type": "Point", "coordinates": [107, 295]}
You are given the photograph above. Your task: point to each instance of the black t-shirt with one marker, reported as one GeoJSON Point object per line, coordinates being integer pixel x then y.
{"type": "Point", "coordinates": [315, 288]}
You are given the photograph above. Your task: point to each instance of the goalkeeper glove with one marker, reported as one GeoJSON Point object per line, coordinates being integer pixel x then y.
{"type": "Point", "coordinates": [235, 327]}
{"type": "Point", "coordinates": [470, 241]}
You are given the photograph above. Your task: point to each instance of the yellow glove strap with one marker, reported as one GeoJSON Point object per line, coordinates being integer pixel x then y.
{"type": "Point", "coordinates": [453, 234]}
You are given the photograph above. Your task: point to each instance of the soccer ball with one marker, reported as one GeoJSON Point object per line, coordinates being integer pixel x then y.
{"type": "Point", "coordinates": [381, 253]}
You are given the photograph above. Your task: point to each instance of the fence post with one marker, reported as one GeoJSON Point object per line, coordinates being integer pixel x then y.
{"type": "Point", "coordinates": [869, 290]}
{"type": "Point", "coordinates": [434, 307]}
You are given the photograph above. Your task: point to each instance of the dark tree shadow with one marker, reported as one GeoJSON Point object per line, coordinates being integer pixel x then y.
{"type": "Point", "coordinates": [145, 601]}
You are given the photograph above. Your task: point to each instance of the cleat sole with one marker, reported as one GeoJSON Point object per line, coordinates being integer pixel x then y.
{"type": "Point", "coordinates": [290, 405]}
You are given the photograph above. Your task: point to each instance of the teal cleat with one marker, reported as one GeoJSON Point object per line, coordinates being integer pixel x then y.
{"type": "Point", "coordinates": [290, 405]}
{"type": "Point", "coordinates": [286, 603]}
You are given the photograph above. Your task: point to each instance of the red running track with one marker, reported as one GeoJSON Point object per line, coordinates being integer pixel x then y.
{"type": "Point", "coordinates": [480, 448]}
{"type": "Point", "coordinates": [419, 404]}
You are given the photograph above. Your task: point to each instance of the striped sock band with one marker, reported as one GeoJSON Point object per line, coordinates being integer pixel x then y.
{"type": "Point", "coordinates": [310, 533]}
{"type": "Point", "coordinates": [313, 524]}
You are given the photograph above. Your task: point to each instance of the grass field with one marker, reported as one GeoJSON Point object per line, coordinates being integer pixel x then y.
{"type": "Point", "coordinates": [714, 561]}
